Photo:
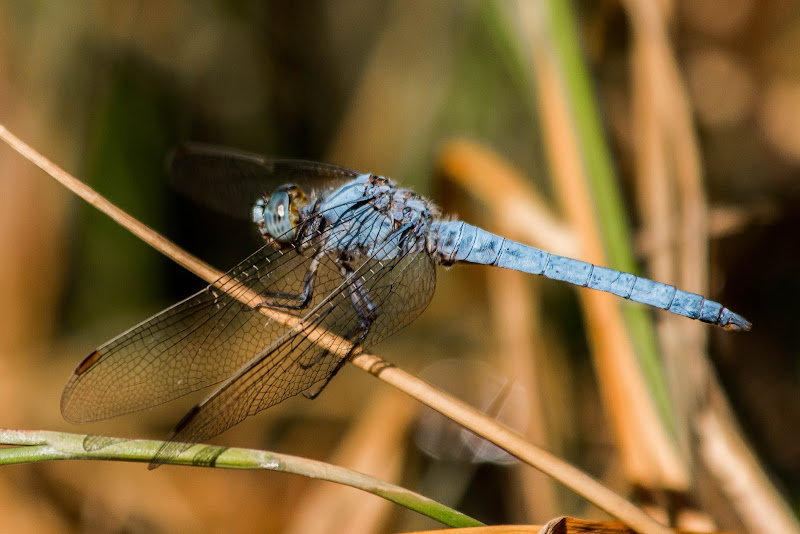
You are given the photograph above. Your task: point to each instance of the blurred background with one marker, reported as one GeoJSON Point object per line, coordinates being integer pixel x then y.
{"type": "Point", "coordinates": [659, 136]}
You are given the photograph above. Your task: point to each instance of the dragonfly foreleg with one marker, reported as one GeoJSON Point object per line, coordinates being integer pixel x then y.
{"type": "Point", "coordinates": [314, 394]}
{"type": "Point", "coordinates": [367, 313]}
{"type": "Point", "coordinates": [365, 308]}
{"type": "Point", "coordinates": [303, 298]}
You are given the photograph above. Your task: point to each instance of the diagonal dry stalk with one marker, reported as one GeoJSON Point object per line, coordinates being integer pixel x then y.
{"type": "Point", "coordinates": [645, 447]}
{"type": "Point", "coordinates": [469, 418]}
{"type": "Point", "coordinates": [671, 152]}
{"type": "Point", "coordinates": [523, 350]}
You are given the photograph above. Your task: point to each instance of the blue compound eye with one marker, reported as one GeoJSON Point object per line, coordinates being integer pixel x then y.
{"type": "Point", "coordinates": [277, 219]}
{"type": "Point", "coordinates": [280, 215]}
{"type": "Point", "coordinates": [258, 212]}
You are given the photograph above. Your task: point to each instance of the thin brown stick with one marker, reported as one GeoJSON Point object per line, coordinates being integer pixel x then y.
{"type": "Point", "coordinates": [658, 208]}
{"type": "Point", "coordinates": [643, 443]}
{"type": "Point", "coordinates": [518, 212]}
{"type": "Point", "coordinates": [489, 177]}
{"type": "Point", "coordinates": [480, 424]}
{"type": "Point", "coordinates": [721, 445]}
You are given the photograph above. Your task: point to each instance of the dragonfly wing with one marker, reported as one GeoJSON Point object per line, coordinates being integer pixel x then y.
{"type": "Point", "coordinates": [193, 344]}
{"type": "Point", "coordinates": [230, 181]}
{"type": "Point", "coordinates": [399, 289]}
{"type": "Point", "coordinates": [196, 343]}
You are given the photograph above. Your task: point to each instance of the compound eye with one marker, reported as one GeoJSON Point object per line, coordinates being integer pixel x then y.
{"type": "Point", "coordinates": [277, 221]}
{"type": "Point", "coordinates": [258, 212]}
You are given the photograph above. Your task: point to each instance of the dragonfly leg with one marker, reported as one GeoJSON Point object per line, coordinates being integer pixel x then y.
{"type": "Point", "coordinates": [303, 298]}
{"type": "Point", "coordinates": [314, 394]}
{"type": "Point", "coordinates": [367, 313]}
{"type": "Point", "coordinates": [365, 308]}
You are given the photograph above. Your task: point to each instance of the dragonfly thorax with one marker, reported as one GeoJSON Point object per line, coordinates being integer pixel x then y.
{"type": "Point", "coordinates": [279, 215]}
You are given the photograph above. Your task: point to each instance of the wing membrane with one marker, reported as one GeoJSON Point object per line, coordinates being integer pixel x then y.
{"type": "Point", "coordinates": [400, 289]}
{"type": "Point", "coordinates": [213, 338]}
{"type": "Point", "coordinates": [204, 339]}
{"type": "Point", "coordinates": [198, 342]}
{"type": "Point", "coordinates": [230, 181]}
{"type": "Point", "coordinates": [193, 344]}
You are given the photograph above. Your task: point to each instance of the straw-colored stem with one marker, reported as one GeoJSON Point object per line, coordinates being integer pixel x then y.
{"type": "Point", "coordinates": [480, 424]}
{"type": "Point", "coordinates": [632, 389]}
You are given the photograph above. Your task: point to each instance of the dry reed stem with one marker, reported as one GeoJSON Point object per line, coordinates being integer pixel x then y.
{"type": "Point", "coordinates": [658, 206]}
{"type": "Point", "coordinates": [724, 221]}
{"type": "Point", "coordinates": [659, 84]}
{"type": "Point", "coordinates": [729, 457]}
{"type": "Point", "coordinates": [490, 178]}
{"type": "Point", "coordinates": [517, 320]}
{"type": "Point", "coordinates": [645, 448]}
{"type": "Point", "coordinates": [559, 525]}
{"type": "Point", "coordinates": [392, 132]}
{"type": "Point", "coordinates": [463, 414]}
{"type": "Point", "coordinates": [519, 213]}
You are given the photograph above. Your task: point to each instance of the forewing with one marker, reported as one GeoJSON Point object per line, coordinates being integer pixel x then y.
{"type": "Point", "coordinates": [230, 181]}
{"type": "Point", "coordinates": [399, 289]}
{"type": "Point", "coordinates": [198, 342]}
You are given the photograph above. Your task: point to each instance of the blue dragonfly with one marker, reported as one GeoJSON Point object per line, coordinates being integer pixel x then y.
{"type": "Point", "coordinates": [357, 259]}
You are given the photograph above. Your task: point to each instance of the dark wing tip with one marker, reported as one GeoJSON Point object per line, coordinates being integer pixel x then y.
{"type": "Point", "coordinates": [183, 151]}
{"type": "Point", "coordinates": [174, 155]}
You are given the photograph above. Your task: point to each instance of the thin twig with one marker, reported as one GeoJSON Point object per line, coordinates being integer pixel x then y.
{"type": "Point", "coordinates": [463, 414]}
{"type": "Point", "coordinates": [725, 452]}
{"type": "Point", "coordinates": [581, 169]}
{"type": "Point", "coordinates": [489, 177]}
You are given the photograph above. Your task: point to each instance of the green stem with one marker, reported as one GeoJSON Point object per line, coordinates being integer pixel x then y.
{"type": "Point", "coordinates": [37, 446]}
{"type": "Point", "coordinates": [609, 207]}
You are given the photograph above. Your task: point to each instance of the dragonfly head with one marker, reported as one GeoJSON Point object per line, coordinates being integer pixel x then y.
{"type": "Point", "coordinates": [279, 215]}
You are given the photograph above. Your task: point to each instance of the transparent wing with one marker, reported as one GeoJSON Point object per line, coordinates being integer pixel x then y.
{"type": "Point", "coordinates": [398, 289]}
{"type": "Point", "coordinates": [198, 342]}
{"type": "Point", "coordinates": [193, 344]}
{"type": "Point", "coordinates": [230, 181]}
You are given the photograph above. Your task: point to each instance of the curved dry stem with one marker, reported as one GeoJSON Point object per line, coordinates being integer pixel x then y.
{"type": "Point", "coordinates": [623, 348]}
{"type": "Point", "coordinates": [721, 446]}
{"type": "Point", "coordinates": [487, 176]}
{"type": "Point", "coordinates": [480, 424]}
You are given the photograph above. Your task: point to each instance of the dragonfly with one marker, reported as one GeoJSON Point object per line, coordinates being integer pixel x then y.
{"type": "Point", "coordinates": [355, 258]}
